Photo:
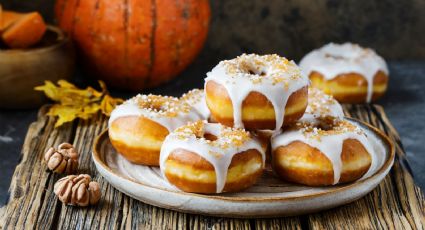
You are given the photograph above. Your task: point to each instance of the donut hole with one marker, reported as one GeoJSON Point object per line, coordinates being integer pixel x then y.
{"type": "Point", "coordinates": [206, 136]}
{"type": "Point", "coordinates": [156, 106]}
{"type": "Point", "coordinates": [326, 123]}
{"type": "Point", "coordinates": [260, 73]}
{"type": "Point", "coordinates": [252, 70]}
{"type": "Point", "coordinates": [334, 56]}
{"type": "Point", "coordinates": [324, 126]}
{"type": "Point", "coordinates": [210, 137]}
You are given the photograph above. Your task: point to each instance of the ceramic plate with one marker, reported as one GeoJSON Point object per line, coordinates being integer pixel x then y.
{"type": "Point", "coordinates": [269, 197]}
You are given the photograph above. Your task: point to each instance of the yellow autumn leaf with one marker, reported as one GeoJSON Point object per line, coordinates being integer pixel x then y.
{"type": "Point", "coordinates": [64, 113]}
{"type": "Point", "coordinates": [68, 94]}
{"type": "Point", "coordinates": [72, 96]}
{"type": "Point", "coordinates": [50, 90]}
{"type": "Point", "coordinates": [72, 102]}
{"type": "Point", "coordinates": [89, 110]}
{"type": "Point", "coordinates": [109, 103]}
{"type": "Point", "coordinates": [103, 87]}
{"type": "Point", "coordinates": [64, 84]}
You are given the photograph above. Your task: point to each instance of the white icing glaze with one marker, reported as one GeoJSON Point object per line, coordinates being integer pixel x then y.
{"type": "Point", "coordinates": [273, 76]}
{"type": "Point", "coordinates": [330, 145]}
{"type": "Point", "coordinates": [196, 99]}
{"type": "Point", "coordinates": [321, 105]}
{"type": "Point", "coordinates": [182, 111]}
{"type": "Point", "coordinates": [152, 175]}
{"type": "Point", "coordinates": [214, 152]}
{"type": "Point", "coordinates": [332, 60]}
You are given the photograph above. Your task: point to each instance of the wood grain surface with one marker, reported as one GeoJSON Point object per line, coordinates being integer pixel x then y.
{"type": "Point", "coordinates": [395, 204]}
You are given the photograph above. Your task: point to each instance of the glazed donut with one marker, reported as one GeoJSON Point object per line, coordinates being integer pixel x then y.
{"type": "Point", "coordinates": [325, 153]}
{"type": "Point", "coordinates": [264, 136]}
{"type": "Point", "coordinates": [256, 92]}
{"type": "Point", "coordinates": [196, 99]}
{"type": "Point", "coordinates": [211, 158]}
{"type": "Point", "coordinates": [350, 73]}
{"type": "Point", "coordinates": [138, 127]}
{"type": "Point", "coordinates": [321, 106]}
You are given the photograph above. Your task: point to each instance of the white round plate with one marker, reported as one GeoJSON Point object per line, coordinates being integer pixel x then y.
{"type": "Point", "coordinates": [267, 198]}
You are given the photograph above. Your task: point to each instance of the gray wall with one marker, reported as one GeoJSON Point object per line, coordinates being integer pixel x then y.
{"type": "Point", "coordinates": [395, 28]}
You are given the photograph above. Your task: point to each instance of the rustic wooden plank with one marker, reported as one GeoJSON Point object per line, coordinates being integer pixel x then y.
{"type": "Point", "coordinates": [115, 209]}
{"type": "Point", "coordinates": [411, 197]}
{"type": "Point", "coordinates": [279, 223]}
{"type": "Point", "coordinates": [150, 217]}
{"type": "Point", "coordinates": [107, 214]}
{"type": "Point", "coordinates": [28, 186]}
{"type": "Point", "coordinates": [204, 222]}
{"type": "Point", "coordinates": [396, 203]}
{"type": "Point", "coordinates": [49, 202]}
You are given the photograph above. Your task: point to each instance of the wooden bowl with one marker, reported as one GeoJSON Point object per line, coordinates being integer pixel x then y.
{"type": "Point", "coordinates": [53, 58]}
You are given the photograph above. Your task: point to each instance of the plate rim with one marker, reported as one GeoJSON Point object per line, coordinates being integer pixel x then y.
{"type": "Point", "coordinates": [96, 156]}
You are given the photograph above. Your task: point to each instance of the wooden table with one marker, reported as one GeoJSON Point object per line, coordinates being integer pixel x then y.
{"type": "Point", "coordinates": [397, 203]}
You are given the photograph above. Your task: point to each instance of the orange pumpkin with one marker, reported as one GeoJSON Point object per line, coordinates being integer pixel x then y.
{"type": "Point", "coordinates": [22, 30]}
{"type": "Point", "coordinates": [8, 18]}
{"type": "Point", "coordinates": [135, 44]}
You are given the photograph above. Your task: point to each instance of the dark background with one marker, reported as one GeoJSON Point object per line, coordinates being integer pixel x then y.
{"type": "Point", "coordinates": [294, 27]}
{"type": "Point", "coordinates": [395, 29]}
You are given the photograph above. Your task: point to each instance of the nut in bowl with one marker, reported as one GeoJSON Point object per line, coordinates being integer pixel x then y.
{"type": "Point", "coordinates": [221, 168]}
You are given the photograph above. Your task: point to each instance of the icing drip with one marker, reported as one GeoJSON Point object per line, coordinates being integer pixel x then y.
{"type": "Point", "coordinates": [218, 153]}
{"type": "Point", "coordinates": [167, 111]}
{"type": "Point", "coordinates": [273, 76]}
{"type": "Point", "coordinates": [332, 60]}
{"type": "Point", "coordinates": [329, 142]}
{"type": "Point", "coordinates": [321, 105]}
{"type": "Point", "coordinates": [196, 99]}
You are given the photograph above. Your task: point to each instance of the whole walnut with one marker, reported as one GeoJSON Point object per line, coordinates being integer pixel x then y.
{"type": "Point", "coordinates": [62, 160]}
{"type": "Point", "coordinates": [77, 190]}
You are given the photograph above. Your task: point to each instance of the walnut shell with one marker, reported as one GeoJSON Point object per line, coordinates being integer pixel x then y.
{"type": "Point", "coordinates": [77, 190]}
{"type": "Point", "coordinates": [63, 160]}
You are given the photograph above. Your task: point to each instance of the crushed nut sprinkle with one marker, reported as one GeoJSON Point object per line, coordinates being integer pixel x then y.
{"type": "Point", "coordinates": [165, 106]}
{"type": "Point", "coordinates": [229, 137]}
{"type": "Point", "coordinates": [257, 67]}
{"type": "Point", "coordinates": [193, 96]}
{"type": "Point", "coordinates": [327, 126]}
{"type": "Point", "coordinates": [234, 136]}
{"type": "Point", "coordinates": [319, 102]}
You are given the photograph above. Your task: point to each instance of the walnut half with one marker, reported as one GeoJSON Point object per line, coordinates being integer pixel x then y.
{"type": "Point", "coordinates": [63, 160]}
{"type": "Point", "coordinates": [77, 190]}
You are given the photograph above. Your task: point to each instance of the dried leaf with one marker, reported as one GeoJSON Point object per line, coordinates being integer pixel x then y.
{"type": "Point", "coordinates": [73, 102]}
{"type": "Point", "coordinates": [89, 110]}
{"type": "Point", "coordinates": [64, 84]}
{"type": "Point", "coordinates": [109, 103]}
{"type": "Point", "coordinates": [64, 113]}
{"type": "Point", "coordinates": [103, 87]}
{"type": "Point", "coordinates": [50, 90]}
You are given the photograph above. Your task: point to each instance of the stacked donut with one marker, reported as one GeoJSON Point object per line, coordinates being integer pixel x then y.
{"type": "Point", "coordinates": [252, 107]}
{"type": "Point", "coordinates": [349, 72]}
